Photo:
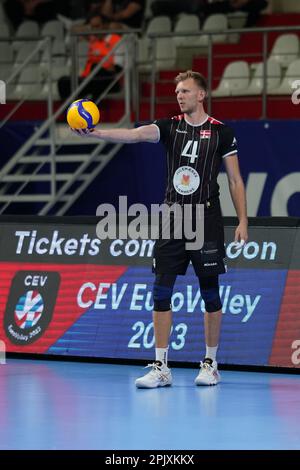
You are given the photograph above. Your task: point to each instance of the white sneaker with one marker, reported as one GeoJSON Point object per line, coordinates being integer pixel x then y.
{"type": "Point", "coordinates": [159, 376]}
{"type": "Point", "coordinates": [208, 374]}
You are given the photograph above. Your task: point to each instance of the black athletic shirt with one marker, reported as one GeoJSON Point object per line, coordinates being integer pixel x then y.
{"type": "Point", "coordinates": [194, 157]}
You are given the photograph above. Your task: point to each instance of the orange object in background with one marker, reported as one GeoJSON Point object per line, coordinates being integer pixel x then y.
{"type": "Point", "coordinates": [98, 49]}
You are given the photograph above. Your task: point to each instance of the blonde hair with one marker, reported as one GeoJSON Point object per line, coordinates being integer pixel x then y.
{"type": "Point", "coordinates": [196, 76]}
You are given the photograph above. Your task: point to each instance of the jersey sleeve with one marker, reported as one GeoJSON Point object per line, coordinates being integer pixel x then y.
{"type": "Point", "coordinates": [228, 143]}
{"type": "Point", "coordinates": [164, 126]}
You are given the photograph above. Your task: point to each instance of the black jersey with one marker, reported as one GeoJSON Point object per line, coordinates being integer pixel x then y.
{"type": "Point", "coordinates": [194, 157]}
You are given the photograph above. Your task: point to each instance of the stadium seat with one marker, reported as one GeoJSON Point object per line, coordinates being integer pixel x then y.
{"type": "Point", "coordinates": [45, 91]}
{"type": "Point", "coordinates": [285, 49]}
{"type": "Point", "coordinates": [186, 24]}
{"type": "Point", "coordinates": [237, 19]}
{"type": "Point", "coordinates": [6, 52]}
{"type": "Point", "coordinates": [273, 78]}
{"type": "Point", "coordinates": [53, 28]}
{"type": "Point", "coordinates": [24, 51]}
{"type": "Point", "coordinates": [7, 64]}
{"type": "Point", "coordinates": [59, 67]}
{"type": "Point", "coordinates": [165, 54]}
{"type": "Point", "coordinates": [159, 24]}
{"type": "Point", "coordinates": [234, 81]}
{"type": "Point", "coordinates": [28, 29]}
{"type": "Point", "coordinates": [5, 71]}
{"type": "Point", "coordinates": [28, 85]}
{"type": "Point", "coordinates": [217, 22]}
{"type": "Point", "coordinates": [59, 48]}
{"type": "Point", "coordinates": [292, 74]}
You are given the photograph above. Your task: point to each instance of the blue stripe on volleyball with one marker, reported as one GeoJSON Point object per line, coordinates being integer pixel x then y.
{"type": "Point", "coordinates": [85, 114]}
{"type": "Point", "coordinates": [75, 103]}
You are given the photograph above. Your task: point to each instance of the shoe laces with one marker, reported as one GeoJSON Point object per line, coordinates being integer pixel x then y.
{"type": "Point", "coordinates": [156, 366]}
{"type": "Point", "coordinates": [157, 369]}
{"type": "Point", "coordinates": [206, 366]}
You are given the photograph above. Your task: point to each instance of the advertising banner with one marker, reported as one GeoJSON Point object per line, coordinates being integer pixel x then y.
{"type": "Point", "coordinates": [66, 292]}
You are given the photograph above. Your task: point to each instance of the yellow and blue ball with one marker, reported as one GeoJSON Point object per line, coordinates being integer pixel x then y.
{"type": "Point", "coordinates": [83, 114]}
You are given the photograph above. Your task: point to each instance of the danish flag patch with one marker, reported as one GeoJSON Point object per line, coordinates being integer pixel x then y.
{"type": "Point", "coordinates": [205, 134]}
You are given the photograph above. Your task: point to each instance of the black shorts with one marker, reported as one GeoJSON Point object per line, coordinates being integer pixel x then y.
{"type": "Point", "coordinates": [171, 256]}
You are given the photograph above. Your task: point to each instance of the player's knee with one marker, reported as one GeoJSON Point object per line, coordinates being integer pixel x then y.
{"type": "Point", "coordinates": [162, 298]}
{"type": "Point", "coordinates": [162, 292]}
{"type": "Point", "coordinates": [212, 301]}
{"type": "Point", "coordinates": [162, 305]}
{"type": "Point", "coordinates": [210, 293]}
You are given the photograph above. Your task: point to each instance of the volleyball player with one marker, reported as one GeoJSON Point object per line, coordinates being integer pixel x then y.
{"type": "Point", "coordinates": [196, 145]}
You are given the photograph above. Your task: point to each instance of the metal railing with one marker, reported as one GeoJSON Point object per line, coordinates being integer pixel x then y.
{"type": "Point", "coordinates": [130, 52]}
{"type": "Point", "coordinates": [210, 34]}
{"type": "Point", "coordinates": [15, 171]}
{"type": "Point", "coordinates": [11, 173]}
{"type": "Point", "coordinates": [42, 44]}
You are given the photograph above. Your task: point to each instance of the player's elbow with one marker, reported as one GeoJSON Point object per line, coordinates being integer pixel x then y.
{"type": "Point", "coordinates": [235, 182]}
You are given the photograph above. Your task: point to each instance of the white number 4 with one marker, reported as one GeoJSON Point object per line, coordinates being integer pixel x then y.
{"type": "Point", "coordinates": [194, 153]}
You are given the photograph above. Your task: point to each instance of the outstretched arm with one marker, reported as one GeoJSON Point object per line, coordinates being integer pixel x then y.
{"type": "Point", "coordinates": [238, 196]}
{"type": "Point", "coordinates": [149, 133]}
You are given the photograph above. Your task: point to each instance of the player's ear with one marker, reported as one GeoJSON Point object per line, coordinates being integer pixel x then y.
{"type": "Point", "coordinates": [202, 95]}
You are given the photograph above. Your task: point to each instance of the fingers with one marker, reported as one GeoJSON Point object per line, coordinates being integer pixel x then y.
{"type": "Point", "coordinates": [82, 132]}
{"type": "Point", "coordinates": [240, 244]}
{"type": "Point", "coordinates": [239, 239]}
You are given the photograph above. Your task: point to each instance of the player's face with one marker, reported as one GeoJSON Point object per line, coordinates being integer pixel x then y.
{"type": "Point", "coordinates": [189, 95]}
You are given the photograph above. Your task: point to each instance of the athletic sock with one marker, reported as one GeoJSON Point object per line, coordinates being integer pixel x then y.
{"type": "Point", "coordinates": [211, 352]}
{"type": "Point", "coordinates": [161, 354]}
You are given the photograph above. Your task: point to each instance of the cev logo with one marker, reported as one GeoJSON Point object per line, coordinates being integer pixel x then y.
{"type": "Point", "coordinates": [2, 92]}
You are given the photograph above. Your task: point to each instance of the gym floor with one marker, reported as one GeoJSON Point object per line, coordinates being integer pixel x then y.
{"type": "Point", "coordinates": [75, 405]}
